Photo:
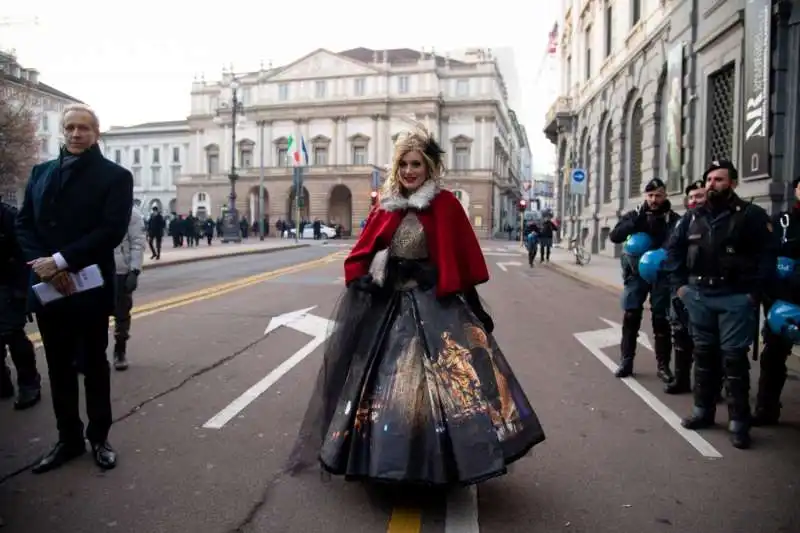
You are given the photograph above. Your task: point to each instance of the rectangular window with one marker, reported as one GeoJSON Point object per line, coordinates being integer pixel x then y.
{"type": "Point", "coordinates": [461, 158]}
{"type": "Point", "coordinates": [156, 156]}
{"type": "Point", "coordinates": [402, 84]}
{"type": "Point", "coordinates": [319, 89]}
{"type": "Point", "coordinates": [213, 163]}
{"type": "Point", "coordinates": [462, 88]}
{"type": "Point", "coordinates": [358, 86]}
{"type": "Point", "coordinates": [137, 157]}
{"type": "Point", "coordinates": [588, 66]}
{"type": "Point", "coordinates": [155, 177]}
{"type": "Point", "coordinates": [609, 31]}
{"type": "Point", "coordinates": [359, 155]}
{"type": "Point", "coordinates": [137, 177]}
{"type": "Point", "coordinates": [636, 12]}
{"type": "Point", "coordinates": [176, 155]}
{"type": "Point", "coordinates": [118, 157]}
{"type": "Point", "coordinates": [320, 156]}
{"type": "Point", "coordinates": [283, 157]}
{"type": "Point", "coordinates": [283, 92]}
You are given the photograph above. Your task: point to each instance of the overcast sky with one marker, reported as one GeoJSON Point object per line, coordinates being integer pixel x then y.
{"type": "Point", "coordinates": [134, 61]}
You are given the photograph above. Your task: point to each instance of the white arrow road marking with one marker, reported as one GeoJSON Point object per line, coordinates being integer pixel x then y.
{"type": "Point", "coordinates": [501, 254]}
{"type": "Point", "coordinates": [508, 264]}
{"type": "Point", "coordinates": [595, 341]}
{"type": "Point", "coordinates": [462, 511]}
{"type": "Point", "coordinates": [314, 326]}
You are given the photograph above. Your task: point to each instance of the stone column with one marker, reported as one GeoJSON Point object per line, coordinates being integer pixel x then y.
{"type": "Point", "coordinates": [372, 151]}
{"type": "Point", "coordinates": [269, 147]}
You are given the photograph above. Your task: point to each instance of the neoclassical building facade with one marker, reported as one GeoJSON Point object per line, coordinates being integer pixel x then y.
{"type": "Point", "coordinates": [349, 107]}
{"type": "Point", "coordinates": [649, 89]}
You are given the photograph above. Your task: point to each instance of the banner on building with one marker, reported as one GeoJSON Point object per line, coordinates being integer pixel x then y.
{"type": "Point", "coordinates": [756, 94]}
{"type": "Point", "coordinates": [674, 116]}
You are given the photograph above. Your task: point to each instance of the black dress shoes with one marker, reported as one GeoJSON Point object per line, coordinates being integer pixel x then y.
{"type": "Point", "coordinates": [104, 455]}
{"type": "Point", "coordinates": [61, 453]}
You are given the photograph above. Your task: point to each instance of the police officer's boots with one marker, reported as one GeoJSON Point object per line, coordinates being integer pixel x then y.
{"type": "Point", "coordinates": [682, 383]}
{"type": "Point", "coordinates": [770, 385]}
{"type": "Point", "coordinates": [6, 385]}
{"type": "Point", "coordinates": [662, 340]}
{"type": "Point", "coordinates": [706, 385]}
{"type": "Point", "coordinates": [631, 321]}
{"type": "Point", "coordinates": [737, 384]}
{"type": "Point", "coordinates": [120, 357]}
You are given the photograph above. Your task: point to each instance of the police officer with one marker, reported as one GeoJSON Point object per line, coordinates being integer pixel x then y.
{"type": "Point", "coordinates": [720, 257]}
{"type": "Point", "coordinates": [681, 339]}
{"type": "Point", "coordinates": [656, 218]}
{"type": "Point", "coordinates": [13, 300]}
{"type": "Point", "coordinates": [786, 226]}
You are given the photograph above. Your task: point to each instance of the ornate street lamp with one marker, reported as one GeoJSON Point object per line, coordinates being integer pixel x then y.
{"type": "Point", "coordinates": [230, 221]}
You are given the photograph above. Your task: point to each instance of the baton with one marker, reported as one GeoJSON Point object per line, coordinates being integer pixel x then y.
{"type": "Point", "coordinates": [757, 337]}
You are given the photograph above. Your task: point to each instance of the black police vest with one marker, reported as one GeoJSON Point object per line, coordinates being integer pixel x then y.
{"type": "Point", "coordinates": [720, 252]}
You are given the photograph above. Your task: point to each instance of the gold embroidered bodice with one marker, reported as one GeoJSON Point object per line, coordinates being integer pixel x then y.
{"type": "Point", "coordinates": [409, 241]}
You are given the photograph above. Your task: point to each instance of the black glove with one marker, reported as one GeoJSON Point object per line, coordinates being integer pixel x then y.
{"type": "Point", "coordinates": [474, 303]}
{"type": "Point", "coordinates": [132, 281]}
{"type": "Point", "coordinates": [365, 284]}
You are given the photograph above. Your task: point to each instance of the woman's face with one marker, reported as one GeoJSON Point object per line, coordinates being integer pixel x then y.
{"type": "Point", "coordinates": [412, 171]}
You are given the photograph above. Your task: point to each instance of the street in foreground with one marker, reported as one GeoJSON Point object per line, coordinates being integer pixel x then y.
{"type": "Point", "coordinates": [209, 409]}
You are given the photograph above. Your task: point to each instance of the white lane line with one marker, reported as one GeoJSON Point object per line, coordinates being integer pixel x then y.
{"type": "Point", "coordinates": [462, 511]}
{"type": "Point", "coordinates": [668, 415]}
{"type": "Point", "coordinates": [250, 395]}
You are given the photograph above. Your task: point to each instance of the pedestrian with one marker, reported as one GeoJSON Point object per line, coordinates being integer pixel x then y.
{"type": "Point", "coordinates": [413, 381]}
{"type": "Point", "coordinates": [155, 232]}
{"type": "Point", "coordinates": [695, 195]}
{"type": "Point", "coordinates": [721, 256]}
{"type": "Point", "coordinates": [787, 288]}
{"type": "Point", "coordinates": [128, 257]}
{"type": "Point", "coordinates": [75, 212]}
{"type": "Point", "coordinates": [13, 317]}
{"type": "Point", "coordinates": [531, 242]}
{"type": "Point", "coordinates": [655, 218]}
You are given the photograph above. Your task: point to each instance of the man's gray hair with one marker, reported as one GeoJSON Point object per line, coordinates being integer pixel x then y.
{"type": "Point", "coordinates": [81, 107]}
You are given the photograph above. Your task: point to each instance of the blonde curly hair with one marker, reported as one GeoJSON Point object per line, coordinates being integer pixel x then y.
{"type": "Point", "coordinates": [416, 140]}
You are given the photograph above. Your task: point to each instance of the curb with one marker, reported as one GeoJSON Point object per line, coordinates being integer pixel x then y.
{"type": "Point", "coordinates": [240, 253]}
{"type": "Point", "coordinates": [613, 289]}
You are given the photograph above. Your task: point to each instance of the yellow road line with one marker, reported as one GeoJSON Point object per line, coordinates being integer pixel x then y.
{"type": "Point", "coordinates": [215, 290]}
{"type": "Point", "coordinates": [405, 520]}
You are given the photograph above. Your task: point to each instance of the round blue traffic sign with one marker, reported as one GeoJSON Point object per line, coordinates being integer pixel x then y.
{"type": "Point", "coordinates": [578, 175]}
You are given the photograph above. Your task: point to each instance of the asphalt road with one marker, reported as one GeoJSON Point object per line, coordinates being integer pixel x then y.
{"type": "Point", "coordinates": [611, 461]}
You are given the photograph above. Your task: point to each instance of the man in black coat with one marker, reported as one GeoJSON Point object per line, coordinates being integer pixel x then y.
{"type": "Point", "coordinates": [76, 211]}
{"type": "Point", "coordinates": [13, 316]}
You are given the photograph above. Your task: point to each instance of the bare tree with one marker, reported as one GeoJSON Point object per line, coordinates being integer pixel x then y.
{"type": "Point", "coordinates": [19, 146]}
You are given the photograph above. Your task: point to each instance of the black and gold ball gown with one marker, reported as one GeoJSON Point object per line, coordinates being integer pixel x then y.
{"type": "Point", "coordinates": [413, 388]}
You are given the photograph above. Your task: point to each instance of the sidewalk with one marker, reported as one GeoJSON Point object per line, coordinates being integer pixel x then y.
{"type": "Point", "coordinates": [177, 256]}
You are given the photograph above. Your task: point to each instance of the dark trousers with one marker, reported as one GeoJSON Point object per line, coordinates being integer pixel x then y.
{"type": "Point", "coordinates": [73, 343]}
{"type": "Point", "coordinates": [122, 310]}
{"type": "Point", "coordinates": [23, 356]}
{"type": "Point", "coordinates": [545, 245]}
{"type": "Point", "coordinates": [155, 245]}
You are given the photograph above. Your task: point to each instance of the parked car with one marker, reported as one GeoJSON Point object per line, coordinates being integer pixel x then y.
{"type": "Point", "coordinates": [308, 232]}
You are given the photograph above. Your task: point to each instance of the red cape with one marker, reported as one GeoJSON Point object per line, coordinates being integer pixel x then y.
{"type": "Point", "coordinates": [452, 244]}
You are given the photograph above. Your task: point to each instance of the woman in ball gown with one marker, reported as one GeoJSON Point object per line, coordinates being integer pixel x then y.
{"type": "Point", "coordinates": [413, 387]}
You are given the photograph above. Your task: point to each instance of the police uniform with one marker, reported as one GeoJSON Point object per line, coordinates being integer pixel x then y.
{"type": "Point", "coordinates": [722, 254]}
{"type": "Point", "coordinates": [786, 227]}
{"type": "Point", "coordinates": [682, 345]}
{"type": "Point", "coordinates": [658, 225]}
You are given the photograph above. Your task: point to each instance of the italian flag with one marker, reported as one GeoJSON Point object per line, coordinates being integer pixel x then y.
{"type": "Point", "coordinates": [295, 149]}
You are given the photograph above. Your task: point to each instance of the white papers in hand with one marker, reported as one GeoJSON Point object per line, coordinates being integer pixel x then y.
{"type": "Point", "coordinates": [84, 280]}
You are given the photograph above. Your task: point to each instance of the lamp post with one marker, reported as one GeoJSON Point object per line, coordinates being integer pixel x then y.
{"type": "Point", "coordinates": [230, 222]}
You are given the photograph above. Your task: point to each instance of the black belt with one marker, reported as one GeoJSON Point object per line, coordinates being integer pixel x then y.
{"type": "Point", "coordinates": [709, 281]}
